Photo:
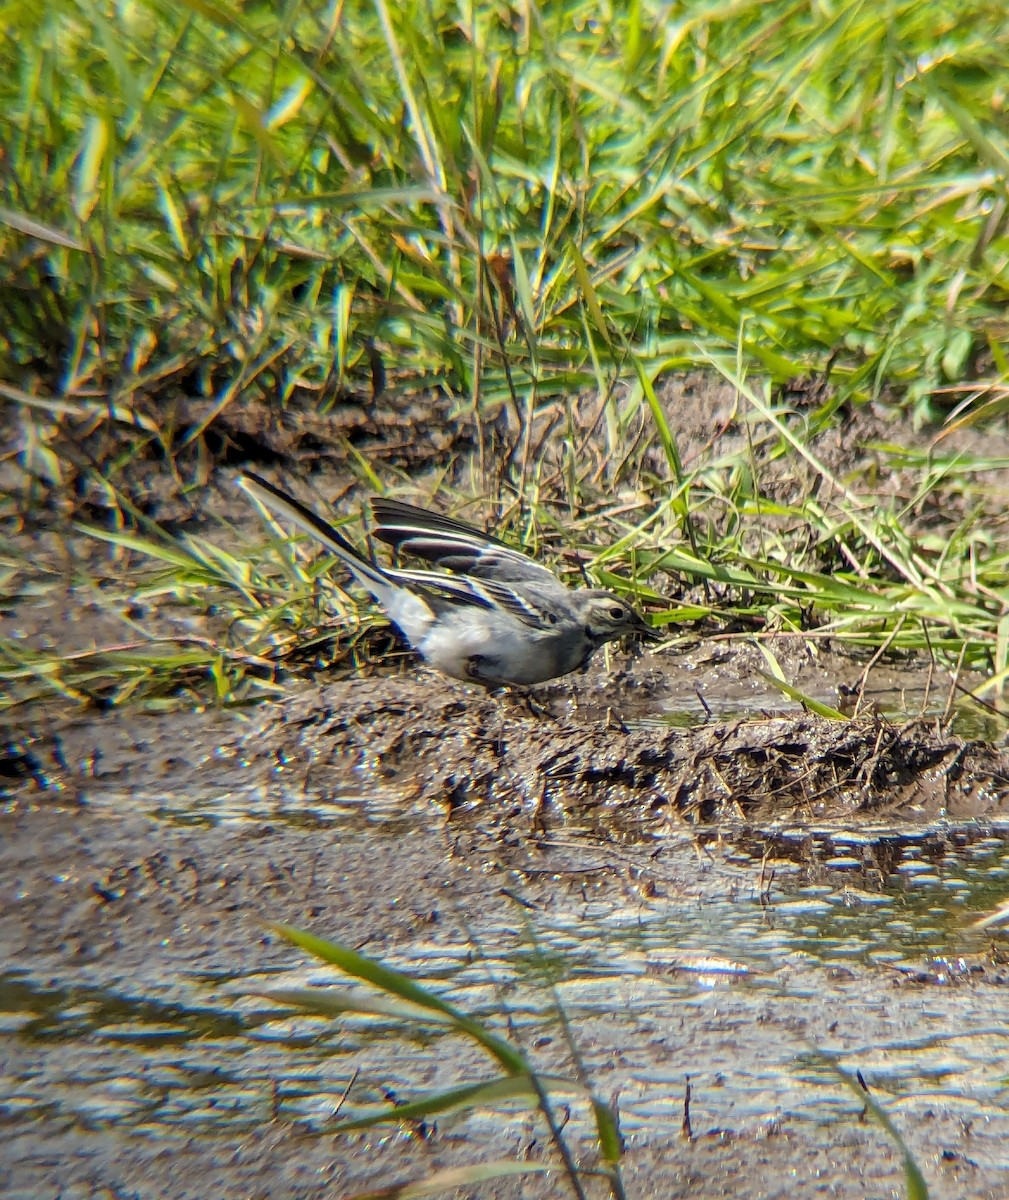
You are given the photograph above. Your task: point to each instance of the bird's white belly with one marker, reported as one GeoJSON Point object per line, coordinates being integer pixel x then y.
{"type": "Point", "coordinates": [489, 652]}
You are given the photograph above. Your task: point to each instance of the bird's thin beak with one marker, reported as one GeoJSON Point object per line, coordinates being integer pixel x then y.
{"type": "Point", "coordinates": [647, 632]}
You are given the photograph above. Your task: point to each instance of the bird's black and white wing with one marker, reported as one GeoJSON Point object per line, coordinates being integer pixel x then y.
{"type": "Point", "coordinates": [453, 545]}
{"type": "Point", "coordinates": [525, 602]}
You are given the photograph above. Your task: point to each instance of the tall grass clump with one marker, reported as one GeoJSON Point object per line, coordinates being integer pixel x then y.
{"type": "Point", "coordinates": [222, 199]}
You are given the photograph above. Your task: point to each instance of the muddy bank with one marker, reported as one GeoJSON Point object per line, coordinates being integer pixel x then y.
{"type": "Point", "coordinates": [593, 751]}
{"type": "Point", "coordinates": [630, 748]}
{"type": "Point", "coordinates": [463, 749]}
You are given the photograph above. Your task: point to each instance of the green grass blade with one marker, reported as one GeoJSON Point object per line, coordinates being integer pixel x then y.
{"type": "Point", "coordinates": [335, 1002]}
{"type": "Point", "coordinates": [917, 1189]}
{"type": "Point", "coordinates": [475, 1095]}
{"type": "Point", "coordinates": [800, 697]}
{"type": "Point", "coordinates": [397, 984]}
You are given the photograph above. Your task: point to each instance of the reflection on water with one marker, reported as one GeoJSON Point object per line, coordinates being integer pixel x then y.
{"type": "Point", "coordinates": [777, 945]}
{"type": "Point", "coordinates": [302, 810]}
{"type": "Point", "coordinates": [898, 699]}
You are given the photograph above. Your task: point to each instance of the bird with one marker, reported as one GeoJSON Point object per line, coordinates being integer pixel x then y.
{"type": "Point", "coordinates": [492, 616]}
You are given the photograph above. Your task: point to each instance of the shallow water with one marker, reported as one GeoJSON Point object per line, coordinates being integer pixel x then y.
{"type": "Point", "coordinates": [738, 962]}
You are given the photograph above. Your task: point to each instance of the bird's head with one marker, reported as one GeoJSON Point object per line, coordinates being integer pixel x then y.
{"type": "Point", "coordinates": [607, 616]}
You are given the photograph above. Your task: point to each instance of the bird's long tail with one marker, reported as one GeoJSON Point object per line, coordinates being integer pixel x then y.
{"type": "Point", "coordinates": [404, 607]}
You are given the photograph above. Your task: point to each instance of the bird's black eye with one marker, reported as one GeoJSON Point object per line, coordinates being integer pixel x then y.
{"type": "Point", "coordinates": [617, 613]}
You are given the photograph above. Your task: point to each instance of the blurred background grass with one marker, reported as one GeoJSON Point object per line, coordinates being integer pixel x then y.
{"type": "Point", "coordinates": [226, 198]}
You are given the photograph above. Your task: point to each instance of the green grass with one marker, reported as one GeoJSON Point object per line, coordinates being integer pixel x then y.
{"type": "Point", "coordinates": [841, 571]}
{"type": "Point", "coordinates": [239, 198]}
{"type": "Point", "coordinates": [529, 209]}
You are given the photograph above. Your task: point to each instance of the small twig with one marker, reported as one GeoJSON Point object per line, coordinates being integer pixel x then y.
{"type": "Point", "coordinates": [954, 687]}
{"type": "Point", "coordinates": [931, 667]}
{"type": "Point", "coordinates": [346, 1091]}
{"type": "Point", "coordinates": [764, 883]}
{"type": "Point", "coordinates": [865, 1088]}
{"type": "Point", "coordinates": [887, 643]}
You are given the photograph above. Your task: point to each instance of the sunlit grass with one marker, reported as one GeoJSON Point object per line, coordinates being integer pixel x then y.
{"type": "Point", "coordinates": [506, 201]}
{"type": "Point", "coordinates": [250, 620]}
{"type": "Point", "coordinates": [531, 210]}
{"type": "Point", "coordinates": [840, 567]}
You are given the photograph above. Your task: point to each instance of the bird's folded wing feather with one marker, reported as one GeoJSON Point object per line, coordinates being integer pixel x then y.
{"type": "Point", "coordinates": [453, 544]}
{"type": "Point", "coordinates": [482, 593]}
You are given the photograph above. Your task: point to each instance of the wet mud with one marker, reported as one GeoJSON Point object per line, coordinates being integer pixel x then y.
{"type": "Point", "coordinates": [585, 751]}
{"type": "Point", "coordinates": [139, 1056]}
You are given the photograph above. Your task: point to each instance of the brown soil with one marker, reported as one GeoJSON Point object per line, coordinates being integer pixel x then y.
{"type": "Point", "coordinates": [459, 749]}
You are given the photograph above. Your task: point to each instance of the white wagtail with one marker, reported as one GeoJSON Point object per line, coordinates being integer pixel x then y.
{"type": "Point", "coordinates": [498, 619]}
